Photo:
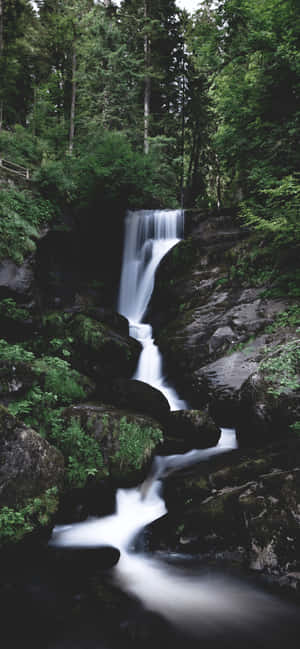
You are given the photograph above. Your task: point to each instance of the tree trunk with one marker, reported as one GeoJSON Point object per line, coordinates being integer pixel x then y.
{"type": "Point", "coordinates": [73, 101]}
{"type": "Point", "coordinates": [1, 54]}
{"type": "Point", "coordinates": [147, 93]}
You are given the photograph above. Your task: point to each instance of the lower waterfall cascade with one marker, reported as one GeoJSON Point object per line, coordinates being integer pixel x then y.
{"type": "Point", "coordinates": [202, 604]}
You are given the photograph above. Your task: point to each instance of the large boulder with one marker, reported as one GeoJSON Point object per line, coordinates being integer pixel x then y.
{"type": "Point", "coordinates": [29, 464]}
{"type": "Point", "coordinates": [188, 429]}
{"type": "Point", "coordinates": [140, 397]}
{"type": "Point", "coordinates": [266, 413]}
{"type": "Point", "coordinates": [101, 352]}
{"type": "Point", "coordinates": [127, 440]}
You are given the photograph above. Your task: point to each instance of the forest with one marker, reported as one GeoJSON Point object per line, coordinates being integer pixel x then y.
{"type": "Point", "coordinates": [115, 116]}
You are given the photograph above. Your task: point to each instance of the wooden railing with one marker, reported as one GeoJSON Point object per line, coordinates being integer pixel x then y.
{"type": "Point", "coordinates": [14, 168]}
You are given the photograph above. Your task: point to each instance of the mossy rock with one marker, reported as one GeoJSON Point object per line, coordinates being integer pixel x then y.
{"type": "Point", "coordinates": [101, 352]}
{"type": "Point", "coordinates": [127, 440]}
{"type": "Point", "coordinates": [31, 477]}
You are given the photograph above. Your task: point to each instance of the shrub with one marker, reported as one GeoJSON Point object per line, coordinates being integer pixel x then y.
{"type": "Point", "coordinates": [16, 522]}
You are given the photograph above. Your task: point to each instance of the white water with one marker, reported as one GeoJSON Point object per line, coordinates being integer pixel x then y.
{"type": "Point", "coordinates": [200, 604]}
{"type": "Point", "coordinates": [149, 235]}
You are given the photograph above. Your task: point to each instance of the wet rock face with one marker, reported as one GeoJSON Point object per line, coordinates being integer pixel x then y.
{"type": "Point", "coordinates": [29, 464]}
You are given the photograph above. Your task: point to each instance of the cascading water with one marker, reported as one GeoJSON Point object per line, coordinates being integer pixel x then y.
{"type": "Point", "coordinates": [219, 610]}
{"type": "Point", "coordinates": [207, 607]}
{"type": "Point", "coordinates": [149, 235]}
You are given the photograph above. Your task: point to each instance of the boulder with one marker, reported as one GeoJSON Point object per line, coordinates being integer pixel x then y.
{"type": "Point", "coordinates": [90, 558]}
{"type": "Point", "coordinates": [29, 464]}
{"type": "Point", "coordinates": [101, 352]}
{"type": "Point", "coordinates": [127, 440]}
{"type": "Point", "coordinates": [140, 397]}
{"type": "Point", "coordinates": [17, 280]}
{"type": "Point", "coordinates": [188, 429]}
{"type": "Point", "coordinates": [263, 414]}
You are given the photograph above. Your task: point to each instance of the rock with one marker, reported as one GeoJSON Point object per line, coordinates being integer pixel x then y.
{"type": "Point", "coordinates": [90, 558]}
{"type": "Point", "coordinates": [17, 280]}
{"type": "Point", "coordinates": [140, 397]}
{"type": "Point", "coordinates": [210, 329]}
{"type": "Point", "coordinates": [219, 383]}
{"type": "Point", "coordinates": [222, 335]}
{"type": "Point", "coordinates": [250, 508]}
{"type": "Point", "coordinates": [29, 464]}
{"type": "Point", "coordinates": [264, 415]}
{"type": "Point", "coordinates": [127, 440]}
{"type": "Point", "coordinates": [188, 429]}
{"type": "Point", "coordinates": [101, 352]}
{"type": "Point", "coordinates": [15, 378]}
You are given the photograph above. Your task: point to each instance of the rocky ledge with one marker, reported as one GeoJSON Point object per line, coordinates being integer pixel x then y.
{"type": "Point", "coordinates": [216, 335]}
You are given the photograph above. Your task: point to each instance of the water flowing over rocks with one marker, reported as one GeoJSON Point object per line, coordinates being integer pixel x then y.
{"type": "Point", "coordinates": [243, 507]}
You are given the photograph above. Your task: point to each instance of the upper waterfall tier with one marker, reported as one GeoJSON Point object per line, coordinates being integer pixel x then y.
{"type": "Point", "coordinates": [149, 234]}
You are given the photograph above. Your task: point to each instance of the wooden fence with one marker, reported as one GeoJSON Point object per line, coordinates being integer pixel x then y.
{"type": "Point", "coordinates": [14, 168]}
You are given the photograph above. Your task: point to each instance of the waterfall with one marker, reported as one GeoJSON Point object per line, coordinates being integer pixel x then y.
{"type": "Point", "coordinates": [207, 607]}
{"type": "Point", "coordinates": [149, 235]}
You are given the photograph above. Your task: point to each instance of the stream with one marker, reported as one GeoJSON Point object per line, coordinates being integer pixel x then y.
{"type": "Point", "coordinates": [204, 604]}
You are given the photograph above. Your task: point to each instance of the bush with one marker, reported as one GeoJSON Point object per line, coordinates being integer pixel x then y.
{"type": "Point", "coordinates": [22, 215]}
{"type": "Point", "coordinates": [16, 522]}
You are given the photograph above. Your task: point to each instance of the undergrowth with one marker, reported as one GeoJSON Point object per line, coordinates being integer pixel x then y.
{"type": "Point", "coordinates": [15, 523]}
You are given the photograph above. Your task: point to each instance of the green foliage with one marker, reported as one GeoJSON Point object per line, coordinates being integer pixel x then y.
{"type": "Point", "coordinates": [296, 427]}
{"type": "Point", "coordinates": [59, 379]}
{"type": "Point", "coordinates": [136, 443]}
{"type": "Point", "coordinates": [245, 346]}
{"type": "Point", "coordinates": [15, 353]}
{"type": "Point", "coordinates": [16, 522]}
{"type": "Point", "coordinates": [55, 385]}
{"type": "Point", "coordinates": [10, 309]}
{"type": "Point", "coordinates": [22, 215]}
{"type": "Point", "coordinates": [288, 318]}
{"type": "Point", "coordinates": [275, 211]}
{"type": "Point", "coordinates": [92, 333]}
{"type": "Point", "coordinates": [282, 368]}
{"type": "Point", "coordinates": [21, 147]}
{"type": "Point", "coordinates": [81, 452]}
